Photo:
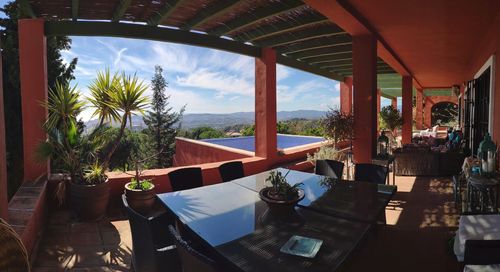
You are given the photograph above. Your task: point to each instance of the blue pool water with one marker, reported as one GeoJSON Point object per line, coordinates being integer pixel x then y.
{"type": "Point", "coordinates": [248, 143]}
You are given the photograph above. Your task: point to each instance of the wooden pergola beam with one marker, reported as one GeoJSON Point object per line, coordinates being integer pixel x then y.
{"type": "Point", "coordinates": [284, 60]}
{"type": "Point", "coordinates": [120, 10]}
{"type": "Point", "coordinates": [333, 61]}
{"type": "Point", "coordinates": [206, 14]}
{"type": "Point", "coordinates": [74, 9]}
{"type": "Point", "coordinates": [137, 31]}
{"type": "Point", "coordinates": [164, 12]}
{"type": "Point", "coordinates": [258, 15]}
{"type": "Point", "coordinates": [336, 40]}
{"type": "Point", "coordinates": [304, 35]}
{"type": "Point", "coordinates": [281, 27]}
{"type": "Point", "coordinates": [330, 58]}
{"type": "Point", "coordinates": [326, 51]}
{"type": "Point", "coordinates": [26, 8]}
{"type": "Point", "coordinates": [145, 32]}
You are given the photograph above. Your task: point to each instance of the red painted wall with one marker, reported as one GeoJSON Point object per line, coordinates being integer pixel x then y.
{"type": "Point", "coordinates": [33, 75]}
{"type": "Point", "coordinates": [189, 152]}
{"type": "Point", "coordinates": [489, 45]}
{"type": "Point", "coordinates": [406, 102]}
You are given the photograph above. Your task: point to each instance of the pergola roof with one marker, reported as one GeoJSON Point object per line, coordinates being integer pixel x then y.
{"type": "Point", "coordinates": [303, 38]}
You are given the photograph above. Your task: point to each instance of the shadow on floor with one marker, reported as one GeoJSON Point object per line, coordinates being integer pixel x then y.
{"type": "Point", "coordinates": [421, 220]}
{"type": "Point", "coordinates": [69, 245]}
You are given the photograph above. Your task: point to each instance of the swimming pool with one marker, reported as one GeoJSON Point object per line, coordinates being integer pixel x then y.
{"type": "Point", "coordinates": [248, 143]}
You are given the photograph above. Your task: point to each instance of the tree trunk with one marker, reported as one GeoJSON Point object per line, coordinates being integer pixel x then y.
{"type": "Point", "coordinates": [117, 141]}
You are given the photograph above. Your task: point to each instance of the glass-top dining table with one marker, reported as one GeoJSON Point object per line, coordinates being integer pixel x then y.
{"type": "Point", "coordinates": [231, 221]}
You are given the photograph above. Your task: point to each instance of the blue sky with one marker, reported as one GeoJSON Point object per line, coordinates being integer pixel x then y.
{"type": "Point", "coordinates": [206, 80]}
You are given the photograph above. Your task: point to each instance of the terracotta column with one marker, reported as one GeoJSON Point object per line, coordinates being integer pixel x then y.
{"type": "Point", "coordinates": [378, 108]}
{"type": "Point", "coordinates": [265, 104]}
{"type": "Point", "coordinates": [419, 109]}
{"type": "Point", "coordinates": [346, 95]}
{"type": "Point", "coordinates": [394, 102]}
{"type": "Point", "coordinates": [33, 75]}
{"type": "Point", "coordinates": [365, 93]}
{"type": "Point", "coordinates": [407, 109]}
{"type": "Point", "coordinates": [3, 152]}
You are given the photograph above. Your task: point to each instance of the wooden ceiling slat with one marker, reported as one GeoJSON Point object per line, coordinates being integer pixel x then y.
{"type": "Point", "coordinates": [258, 15]}
{"type": "Point", "coordinates": [74, 9]}
{"type": "Point", "coordinates": [335, 66]}
{"type": "Point", "coordinates": [120, 10]}
{"type": "Point", "coordinates": [331, 61]}
{"type": "Point", "coordinates": [336, 40]}
{"type": "Point", "coordinates": [206, 14]}
{"type": "Point", "coordinates": [327, 51]}
{"type": "Point", "coordinates": [304, 35]}
{"type": "Point", "coordinates": [342, 56]}
{"type": "Point", "coordinates": [284, 60]}
{"type": "Point", "coordinates": [164, 12]}
{"type": "Point", "coordinates": [281, 27]}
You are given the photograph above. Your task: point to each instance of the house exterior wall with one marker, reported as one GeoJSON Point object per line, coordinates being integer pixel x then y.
{"type": "Point", "coordinates": [489, 46]}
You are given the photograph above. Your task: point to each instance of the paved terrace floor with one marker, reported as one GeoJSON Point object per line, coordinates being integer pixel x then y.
{"type": "Point", "coordinates": [420, 221]}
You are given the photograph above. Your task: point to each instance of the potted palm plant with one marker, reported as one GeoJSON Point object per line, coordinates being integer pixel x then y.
{"type": "Point", "coordinates": [81, 154]}
{"type": "Point", "coordinates": [281, 196]}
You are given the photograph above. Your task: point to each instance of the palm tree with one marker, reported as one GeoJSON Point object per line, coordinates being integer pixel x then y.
{"type": "Point", "coordinates": [63, 105]}
{"type": "Point", "coordinates": [101, 89]}
{"type": "Point", "coordinates": [129, 99]}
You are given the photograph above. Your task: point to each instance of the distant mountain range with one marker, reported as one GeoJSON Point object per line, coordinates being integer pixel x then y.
{"type": "Point", "coordinates": [193, 120]}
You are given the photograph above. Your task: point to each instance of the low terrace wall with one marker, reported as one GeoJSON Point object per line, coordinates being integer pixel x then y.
{"type": "Point", "coordinates": [189, 152]}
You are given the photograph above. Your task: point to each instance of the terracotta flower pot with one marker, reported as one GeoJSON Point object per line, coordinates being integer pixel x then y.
{"type": "Point", "coordinates": [90, 201]}
{"type": "Point", "coordinates": [141, 201]}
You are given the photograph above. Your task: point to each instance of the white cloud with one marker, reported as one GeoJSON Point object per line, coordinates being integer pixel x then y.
{"type": "Point", "coordinates": [119, 56]}
{"type": "Point", "coordinates": [218, 81]}
{"type": "Point", "coordinates": [282, 72]}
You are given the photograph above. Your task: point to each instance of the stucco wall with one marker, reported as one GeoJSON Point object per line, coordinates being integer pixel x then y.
{"type": "Point", "coordinates": [490, 45]}
{"type": "Point", "coordinates": [189, 152]}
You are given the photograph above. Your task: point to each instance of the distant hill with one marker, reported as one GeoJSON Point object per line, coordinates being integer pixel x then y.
{"type": "Point", "coordinates": [193, 120]}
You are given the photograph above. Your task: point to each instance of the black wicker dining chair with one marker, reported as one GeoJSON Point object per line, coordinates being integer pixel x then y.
{"type": "Point", "coordinates": [185, 178]}
{"type": "Point", "coordinates": [329, 168]}
{"type": "Point", "coordinates": [231, 171]}
{"type": "Point", "coordinates": [370, 173]}
{"type": "Point", "coordinates": [152, 248]}
{"type": "Point", "coordinates": [482, 252]}
{"type": "Point", "coordinates": [191, 259]}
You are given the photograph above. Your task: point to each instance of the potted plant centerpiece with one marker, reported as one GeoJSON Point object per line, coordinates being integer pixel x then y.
{"type": "Point", "coordinates": [85, 156]}
{"type": "Point", "coordinates": [281, 196]}
{"type": "Point", "coordinates": [139, 191]}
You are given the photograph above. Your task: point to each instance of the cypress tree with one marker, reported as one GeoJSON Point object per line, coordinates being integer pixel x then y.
{"type": "Point", "coordinates": [163, 123]}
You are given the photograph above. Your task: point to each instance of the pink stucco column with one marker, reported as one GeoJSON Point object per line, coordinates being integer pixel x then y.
{"type": "Point", "coordinates": [407, 109]}
{"type": "Point", "coordinates": [33, 75]}
{"type": "Point", "coordinates": [265, 104]}
{"type": "Point", "coordinates": [3, 154]}
{"type": "Point", "coordinates": [394, 102]}
{"type": "Point", "coordinates": [365, 97]}
{"type": "Point", "coordinates": [346, 95]}
{"type": "Point", "coordinates": [419, 109]}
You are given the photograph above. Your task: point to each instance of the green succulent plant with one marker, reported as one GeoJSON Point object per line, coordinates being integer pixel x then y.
{"type": "Point", "coordinates": [281, 189]}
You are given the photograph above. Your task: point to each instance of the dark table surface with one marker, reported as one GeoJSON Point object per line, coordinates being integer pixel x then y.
{"type": "Point", "coordinates": [361, 201]}
{"type": "Point", "coordinates": [237, 225]}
